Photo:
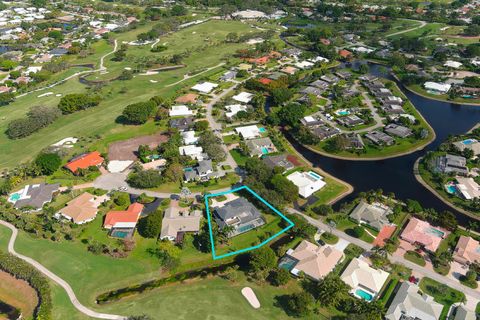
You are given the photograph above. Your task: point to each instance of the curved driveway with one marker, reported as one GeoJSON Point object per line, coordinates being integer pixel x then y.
{"type": "Point", "coordinates": [71, 295]}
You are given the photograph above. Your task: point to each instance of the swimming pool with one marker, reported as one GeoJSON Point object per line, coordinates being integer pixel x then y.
{"type": "Point", "coordinates": [314, 175]}
{"type": "Point", "coordinates": [468, 141]}
{"type": "Point", "coordinates": [287, 264]}
{"type": "Point", "coordinates": [188, 169]}
{"type": "Point", "coordinates": [120, 234]}
{"type": "Point", "coordinates": [364, 295]}
{"type": "Point", "coordinates": [262, 129]}
{"type": "Point", "coordinates": [264, 150]}
{"type": "Point", "coordinates": [451, 189]}
{"type": "Point", "coordinates": [342, 112]}
{"type": "Point", "coordinates": [435, 232]}
{"type": "Point", "coordinates": [245, 228]}
{"type": "Point", "coordinates": [14, 197]}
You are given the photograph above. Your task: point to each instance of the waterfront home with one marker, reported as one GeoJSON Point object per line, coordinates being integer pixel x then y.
{"type": "Point", "coordinates": [419, 232]}
{"type": "Point", "coordinates": [280, 160]}
{"type": "Point", "coordinates": [374, 215]}
{"type": "Point", "coordinates": [180, 111]}
{"type": "Point", "coordinates": [33, 197]}
{"type": "Point", "coordinates": [380, 138]}
{"type": "Point", "coordinates": [233, 109]}
{"type": "Point", "coordinates": [365, 281]}
{"type": "Point", "coordinates": [248, 132]}
{"type": "Point", "coordinates": [450, 163]}
{"type": "Point", "coordinates": [324, 132]}
{"type": "Point", "coordinates": [181, 124]}
{"type": "Point", "coordinates": [192, 151]}
{"type": "Point", "coordinates": [179, 221]}
{"type": "Point", "coordinates": [122, 223]}
{"type": "Point", "coordinates": [354, 141]}
{"type": "Point", "coordinates": [471, 144]}
{"type": "Point", "coordinates": [259, 147]}
{"type": "Point", "coordinates": [85, 161]}
{"type": "Point", "coordinates": [410, 303]}
{"type": "Point", "coordinates": [83, 208]}
{"type": "Point", "coordinates": [243, 97]}
{"type": "Point", "coordinates": [239, 214]}
{"type": "Point", "coordinates": [468, 188]}
{"type": "Point", "coordinates": [314, 261]}
{"type": "Point", "coordinates": [467, 251]}
{"type": "Point", "coordinates": [397, 130]}
{"type": "Point", "coordinates": [307, 182]}
{"type": "Point", "coordinates": [436, 87]}
{"type": "Point", "coordinates": [205, 87]}
{"type": "Point", "coordinates": [392, 108]}
{"type": "Point", "coordinates": [202, 171]}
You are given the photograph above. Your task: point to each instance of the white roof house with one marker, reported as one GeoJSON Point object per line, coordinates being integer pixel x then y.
{"type": "Point", "coordinates": [248, 132]}
{"type": "Point", "coordinates": [363, 279]}
{"type": "Point", "coordinates": [189, 137]}
{"type": "Point", "coordinates": [204, 87]}
{"type": "Point", "coordinates": [243, 97]}
{"type": "Point", "coordinates": [468, 188]}
{"type": "Point", "coordinates": [304, 64]}
{"type": "Point", "coordinates": [180, 110]}
{"type": "Point", "coordinates": [319, 59]}
{"type": "Point", "coordinates": [452, 64]}
{"type": "Point", "coordinates": [233, 109]}
{"type": "Point", "coordinates": [249, 14]}
{"type": "Point", "coordinates": [307, 182]}
{"type": "Point", "coordinates": [438, 87]}
{"type": "Point", "coordinates": [192, 151]}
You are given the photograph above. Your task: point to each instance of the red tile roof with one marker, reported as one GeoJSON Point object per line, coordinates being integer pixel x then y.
{"type": "Point", "coordinates": [384, 234]}
{"type": "Point", "coordinates": [344, 53]}
{"type": "Point", "coordinates": [261, 60]}
{"type": "Point", "coordinates": [83, 162]}
{"type": "Point", "coordinates": [264, 80]}
{"type": "Point", "coordinates": [131, 215]}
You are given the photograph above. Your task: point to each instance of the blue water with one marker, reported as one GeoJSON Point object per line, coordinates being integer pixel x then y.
{"type": "Point", "coordinates": [265, 150]}
{"type": "Point", "coordinates": [313, 174]}
{"type": "Point", "coordinates": [245, 228]}
{"type": "Point", "coordinates": [364, 295]}
{"type": "Point", "coordinates": [436, 232]}
{"type": "Point", "coordinates": [451, 189]}
{"type": "Point", "coordinates": [14, 197]}
{"type": "Point", "coordinates": [287, 264]}
{"type": "Point", "coordinates": [343, 113]}
{"type": "Point", "coordinates": [188, 169]}
{"type": "Point", "coordinates": [120, 234]}
{"type": "Point", "coordinates": [262, 129]}
{"type": "Point", "coordinates": [468, 141]}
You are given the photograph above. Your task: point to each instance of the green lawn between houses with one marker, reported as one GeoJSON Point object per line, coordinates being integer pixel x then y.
{"type": "Point", "coordinates": [441, 293]}
{"type": "Point", "coordinates": [99, 121]}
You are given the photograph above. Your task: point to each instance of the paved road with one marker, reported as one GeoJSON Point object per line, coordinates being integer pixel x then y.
{"type": "Point", "coordinates": [422, 24]}
{"type": "Point", "coordinates": [471, 293]}
{"type": "Point", "coordinates": [71, 295]}
{"type": "Point", "coordinates": [101, 68]}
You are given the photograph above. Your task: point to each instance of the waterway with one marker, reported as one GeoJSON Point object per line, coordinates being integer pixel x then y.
{"type": "Point", "coordinates": [396, 175]}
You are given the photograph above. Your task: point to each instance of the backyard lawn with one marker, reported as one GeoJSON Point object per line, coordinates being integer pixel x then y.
{"type": "Point", "coordinates": [441, 293]}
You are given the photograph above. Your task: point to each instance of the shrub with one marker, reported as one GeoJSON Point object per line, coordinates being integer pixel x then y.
{"type": "Point", "coordinates": [279, 277]}
{"type": "Point", "coordinates": [145, 179]}
{"type": "Point", "coordinates": [73, 102]}
{"type": "Point", "coordinates": [48, 163]}
{"type": "Point", "coordinates": [37, 118]}
{"type": "Point", "coordinates": [150, 226]}
{"type": "Point", "coordinates": [139, 113]}
{"type": "Point", "coordinates": [358, 231]}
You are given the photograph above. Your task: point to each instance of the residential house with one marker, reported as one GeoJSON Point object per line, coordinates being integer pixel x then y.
{"type": "Point", "coordinates": [314, 261]}
{"type": "Point", "coordinates": [239, 214]}
{"type": "Point", "coordinates": [229, 75]}
{"type": "Point", "coordinates": [355, 141]}
{"type": "Point", "coordinates": [233, 109]}
{"type": "Point", "coordinates": [452, 64]}
{"type": "Point", "coordinates": [85, 161]}
{"type": "Point", "coordinates": [289, 70]}
{"type": "Point", "coordinates": [472, 144]}
{"type": "Point", "coordinates": [374, 215]}
{"type": "Point", "coordinates": [468, 188]}
{"type": "Point", "coordinates": [350, 120]}
{"type": "Point", "coordinates": [83, 208]}
{"type": "Point", "coordinates": [397, 130]}
{"type": "Point", "coordinates": [467, 251]}
{"type": "Point", "coordinates": [243, 97]}
{"type": "Point", "coordinates": [311, 121]}
{"type": "Point", "coordinates": [392, 108]}
{"type": "Point", "coordinates": [182, 124]}
{"type": "Point", "coordinates": [33, 197]}
{"type": "Point", "coordinates": [205, 87]}
{"type": "Point", "coordinates": [345, 54]}
{"type": "Point", "coordinates": [365, 281]}
{"type": "Point", "coordinates": [418, 232]}
{"type": "Point", "coordinates": [179, 221]}
{"type": "Point", "coordinates": [307, 182]}
{"type": "Point", "coordinates": [461, 312]}
{"type": "Point", "coordinates": [450, 163]}
{"type": "Point", "coordinates": [313, 91]}
{"type": "Point", "coordinates": [280, 160]}
{"type": "Point", "coordinates": [320, 84]}
{"type": "Point", "coordinates": [202, 171]}
{"type": "Point", "coordinates": [330, 78]}
{"type": "Point", "coordinates": [441, 88]}
{"type": "Point", "coordinates": [380, 138]}
{"type": "Point", "coordinates": [192, 151]}
{"type": "Point", "coordinates": [261, 146]}
{"type": "Point", "coordinates": [410, 303]}
{"type": "Point", "coordinates": [248, 132]}
{"type": "Point", "coordinates": [189, 137]}
{"type": "Point", "coordinates": [122, 223]}
{"type": "Point", "coordinates": [180, 111]}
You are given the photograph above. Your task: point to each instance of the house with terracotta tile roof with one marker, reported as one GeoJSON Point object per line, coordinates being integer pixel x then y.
{"type": "Point", "coordinates": [265, 81]}
{"type": "Point", "coordinates": [385, 233]}
{"type": "Point", "coordinates": [314, 261]}
{"type": "Point", "coordinates": [418, 232]}
{"type": "Point", "coordinates": [84, 161]}
{"type": "Point", "coordinates": [345, 54]}
{"type": "Point", "coordinates": [83, 208]}
{"type": "Point", "coordinates": [467, 250]}
{"type": "Point", "coordinates": [122, 223]}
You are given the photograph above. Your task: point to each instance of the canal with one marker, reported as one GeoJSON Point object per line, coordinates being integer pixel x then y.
{"type": "Point", "coordinates": [396, 174]}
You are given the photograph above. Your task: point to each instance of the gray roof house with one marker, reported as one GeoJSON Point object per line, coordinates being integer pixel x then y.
{"type": "Point", "coordinates": [380, 138]}
{"type": "Point", "coordinates": [240, 214]}
{"type": "Point", "coordinates": [229, 75]}
{"type": "Point", "coordinates": [375, 215]}
{"type": "Point", "coordinates": [203, 171]}
{"type": "Point", "coordinates": [280, 160]}
{"type": "Point", "coordinates": [399, 131]}
{"type": "Point", "coordinates": [36, 195]}
{"type": "Point", "coordinates": [350, 120]}
{"type": "Point", "coordinates": [312, 90]}
{"type": "Point", "coordinates": [450, 163]}
{"type": "Point", "coordinates": [408, 304]}
{"type": "Point", "coordinates": [181, 124]}
{"type": "Point", "coordinates": [260, 146]}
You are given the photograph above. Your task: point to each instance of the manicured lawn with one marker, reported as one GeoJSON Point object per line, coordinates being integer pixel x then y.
{"type": "Point", "coordinates": [18, 294]}
{"type": "Point", "coordinates": [239, 158]}
{"type": "Point", "coordinates": [329, 238]}
{"type": "Point", "coordinates": [214, 184]}
{"type": "Point", "coordinates": [415, 258]}
{"type": "Point", "coordinates": [441, 293]}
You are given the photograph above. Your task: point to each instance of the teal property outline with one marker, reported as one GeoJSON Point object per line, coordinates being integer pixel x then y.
{"type": "Point", "coordinates": [207, 207]}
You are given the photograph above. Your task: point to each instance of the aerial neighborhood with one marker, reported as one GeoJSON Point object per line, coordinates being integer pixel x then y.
{"type": "Point", "coordinates": [252, 160]}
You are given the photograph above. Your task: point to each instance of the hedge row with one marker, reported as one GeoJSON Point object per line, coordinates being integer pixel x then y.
{"type": "Point", "coordinates": [22, 270]}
